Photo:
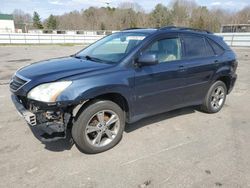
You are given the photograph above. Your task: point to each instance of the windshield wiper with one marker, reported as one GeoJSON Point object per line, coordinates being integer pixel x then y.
{"type": "Point", "coordinates": [87, 57]}
{"type": "Point", "coordinates": [75, 56]}
{"type": "Point", "coordinates": [93, 58]}
{"type": "Point", "coordinates": [98, 60]}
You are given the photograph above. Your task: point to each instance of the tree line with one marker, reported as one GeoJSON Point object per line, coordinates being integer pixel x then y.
{"type": "Point", "coordinates": [130, 15]}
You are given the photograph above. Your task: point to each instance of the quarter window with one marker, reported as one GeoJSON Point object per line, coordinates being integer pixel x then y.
{"type": "Point", "coordinates": [210, 51]}
{"type": "Point", "coordinates": [166, 50]}
{"type": "Point", "coordinates": [218, 50]}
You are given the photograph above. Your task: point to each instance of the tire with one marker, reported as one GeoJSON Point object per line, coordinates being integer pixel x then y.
{"type": "Point", "coordinates": [93, 130]}
{"type": "Point", "coordinates": [214, 102]}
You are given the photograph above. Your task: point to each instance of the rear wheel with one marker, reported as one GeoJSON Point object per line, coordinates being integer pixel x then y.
{"type": "Point", "coordinates": [215, 97]}
{"type": "Point", "coordinates": [99, 127]}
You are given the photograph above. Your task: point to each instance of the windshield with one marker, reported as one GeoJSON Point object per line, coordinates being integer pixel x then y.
{"type": "Point", "coordinates": [112, 48]}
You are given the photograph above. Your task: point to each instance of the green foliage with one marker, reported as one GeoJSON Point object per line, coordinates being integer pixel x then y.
{"type": "Point", "coordinates": [52, 22]}
{"type": "Point", "coordinates": [160, 16]}
{"type": "Point", "coordinates": [202, 18]}
{"type": "Point", "coordinates": [37, 24]}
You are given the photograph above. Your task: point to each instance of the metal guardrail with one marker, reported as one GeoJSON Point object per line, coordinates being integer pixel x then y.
{"type": "Point", "coordinates": [31, 38]}
{"type": "Point", "coordinates": [236, 39]}
{"type": "Point", "coordinates": [232, 39]}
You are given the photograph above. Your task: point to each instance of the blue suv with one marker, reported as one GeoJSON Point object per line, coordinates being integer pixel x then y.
{"type": "Point", "coordinates": [121, 78]}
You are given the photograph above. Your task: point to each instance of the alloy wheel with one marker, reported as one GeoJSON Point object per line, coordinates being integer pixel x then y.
{"type": "Point", "coordinates": [102, 128]}
{"type": "Point", "coordinates": [218, 97]}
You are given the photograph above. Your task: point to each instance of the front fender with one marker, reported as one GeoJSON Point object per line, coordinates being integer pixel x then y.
{"type": "Point", "coordinates": [120, 82]}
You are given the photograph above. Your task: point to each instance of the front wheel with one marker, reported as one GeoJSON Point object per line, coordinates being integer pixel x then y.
{"type": "Point", "coordinates": [99, 127]}
{"type": "Point", "coordinates": [215, 98]}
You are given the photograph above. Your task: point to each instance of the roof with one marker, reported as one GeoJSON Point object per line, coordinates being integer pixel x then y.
{"type": "Point", "coordinates": [185, 29]}
{"type": "Point", "coordinates": [167, 29]}
{"type": "Point", "coordinates": [6, 17]}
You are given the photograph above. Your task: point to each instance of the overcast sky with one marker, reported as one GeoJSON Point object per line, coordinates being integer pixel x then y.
{"type": "Point", "coordinates": [57, 7]}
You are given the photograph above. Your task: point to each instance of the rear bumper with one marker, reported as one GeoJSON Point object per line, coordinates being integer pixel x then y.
{"type": "Point", "coordinates": [232, 82]}
{"type": "Point", "coordinates": [49, 129]}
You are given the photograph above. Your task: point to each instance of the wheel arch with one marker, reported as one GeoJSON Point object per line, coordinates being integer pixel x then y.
{"type": "Point", "coordinates": [115, 97]}
{"type": "Point", "coordinates": [223, 74]}
{"type": "Point", "coordinates": [226, 80]}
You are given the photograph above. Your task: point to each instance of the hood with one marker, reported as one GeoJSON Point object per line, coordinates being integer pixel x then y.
{"type": "Point", "coordinates": [59, 68]}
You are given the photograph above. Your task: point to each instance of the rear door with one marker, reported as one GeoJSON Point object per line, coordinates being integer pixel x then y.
{"type": "Point", "coordinates": [200, 62]}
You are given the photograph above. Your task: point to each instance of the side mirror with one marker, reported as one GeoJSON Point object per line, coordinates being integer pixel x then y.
{"type": "Point", "coordinates": [147, 59]}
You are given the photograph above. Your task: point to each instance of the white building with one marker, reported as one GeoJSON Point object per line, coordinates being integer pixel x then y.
{"type": "Point", "coordinates": [7, 23]}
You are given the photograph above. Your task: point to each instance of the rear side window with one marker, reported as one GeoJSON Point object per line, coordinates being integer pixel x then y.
{"type": "Point", "coordinates": [217, 49]}
{"type": "Point", "coordinates": [195, 47]}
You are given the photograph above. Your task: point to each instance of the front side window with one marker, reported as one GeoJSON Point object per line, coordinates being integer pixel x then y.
{"type": "Point", "coordinates": [195, 46]}
{"type": "Point", "coordinates": [166, 50]}
{"type": "Point", "coordinates": [113, 48]}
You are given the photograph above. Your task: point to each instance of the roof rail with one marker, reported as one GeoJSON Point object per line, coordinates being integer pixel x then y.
{"type": "Point", "coordinates": [133, 28]}
{"type": "Point", "coordinates": [184, 28]}
{"type": "Point", "coordinates": [167, 27]}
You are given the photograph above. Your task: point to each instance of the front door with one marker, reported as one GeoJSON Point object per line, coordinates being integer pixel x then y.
{"type": "Point", "coordinates": [158, 88]}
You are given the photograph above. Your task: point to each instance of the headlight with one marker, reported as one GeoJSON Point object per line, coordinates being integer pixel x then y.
{"type": "Point", "coordinates": [48, 92]}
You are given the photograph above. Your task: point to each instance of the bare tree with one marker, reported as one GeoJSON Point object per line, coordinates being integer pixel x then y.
{"type": "Point", "coordinates": [243, 16]}
{"type": "Point", "coordinates": [178, 12]}
{"type": "Point", "coordinates": [131, 5]}
{"type": "Point", "coordinates": [20, 17]}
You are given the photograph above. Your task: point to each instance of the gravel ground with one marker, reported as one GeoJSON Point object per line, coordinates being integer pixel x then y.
{"type": "Point", "coordinates": [182, 148]}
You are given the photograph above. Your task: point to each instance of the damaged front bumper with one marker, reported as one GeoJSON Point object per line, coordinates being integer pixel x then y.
{"type": "Point", "coordinates": [51, 123]}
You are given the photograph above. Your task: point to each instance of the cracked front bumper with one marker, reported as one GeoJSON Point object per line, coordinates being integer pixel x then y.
{"type": "Point", "coordinates": [50, 127]}
{"type": "Point", "coordinates": [29, 117]}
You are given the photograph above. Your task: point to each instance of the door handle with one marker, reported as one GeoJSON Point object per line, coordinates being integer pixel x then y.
{"type": "Point", "coordinates": [216, 62]}
{"type": "Point", "coordinates": [182, 68]}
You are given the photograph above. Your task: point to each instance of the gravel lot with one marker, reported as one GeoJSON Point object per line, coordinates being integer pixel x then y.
{"type": "Point", "coordinates": [182, 148]}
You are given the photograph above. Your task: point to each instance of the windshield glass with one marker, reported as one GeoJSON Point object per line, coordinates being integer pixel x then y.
{"type": "Point", "coordinates": [112, 48]}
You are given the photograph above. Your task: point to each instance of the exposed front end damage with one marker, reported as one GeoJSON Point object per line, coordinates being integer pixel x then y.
{"type": "Point", "coordinates": [50, 121]}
